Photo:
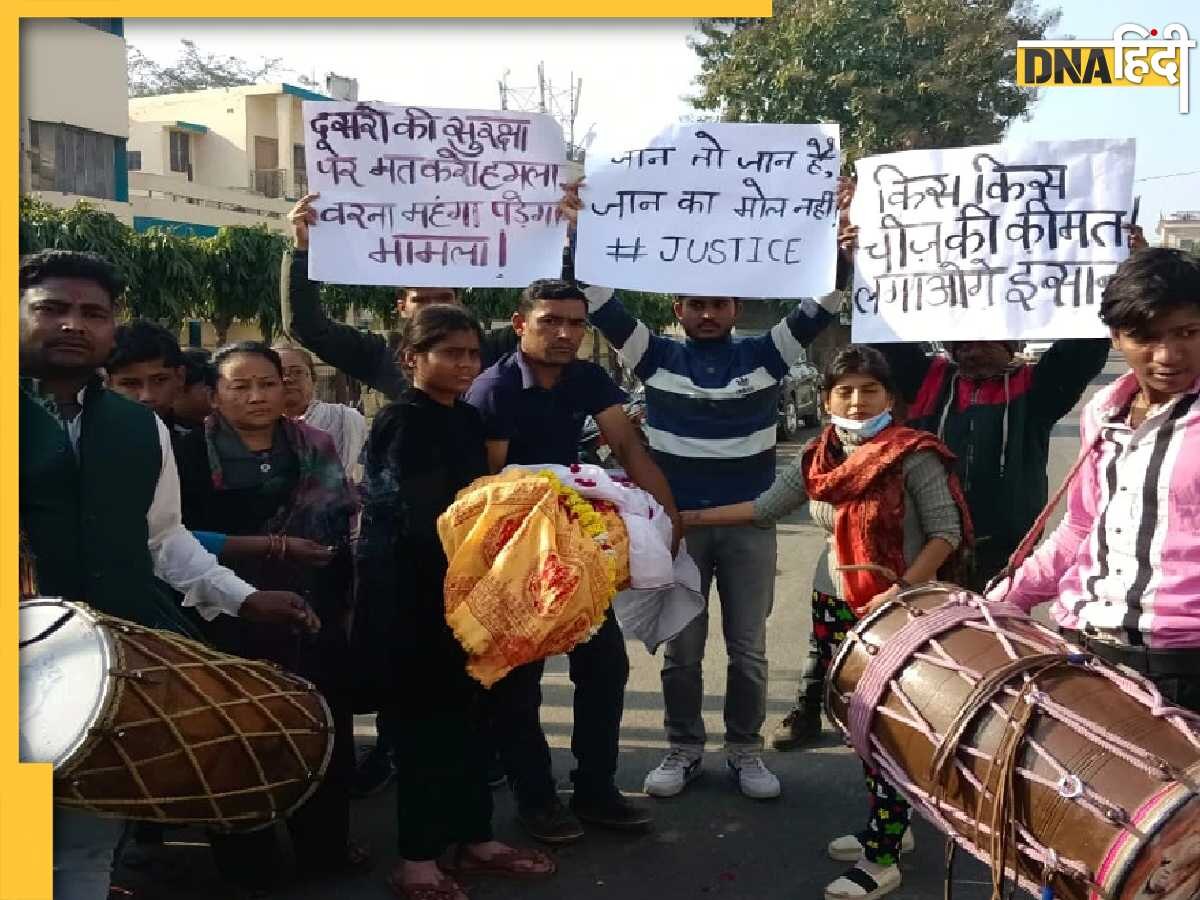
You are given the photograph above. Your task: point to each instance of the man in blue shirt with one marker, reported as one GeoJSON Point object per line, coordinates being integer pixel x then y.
{"type": "Point", "coordinates": [711, 413]}
{"type": "Point", "coordinates": [533, 403]}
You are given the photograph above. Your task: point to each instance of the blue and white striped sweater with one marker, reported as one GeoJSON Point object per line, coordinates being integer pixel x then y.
{"type": "Point", "coordinates": [712, 407]}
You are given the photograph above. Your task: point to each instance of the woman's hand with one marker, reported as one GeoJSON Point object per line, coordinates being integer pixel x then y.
{"type": "Point", "coordinates": [878, 600]}
{"type": "Point", "coordinates": [691, 517]}
{"type": "Point", "coordinates": [309, 553]}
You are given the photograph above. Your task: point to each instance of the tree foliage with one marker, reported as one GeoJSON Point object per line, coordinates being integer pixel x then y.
{"type": "Point", "coordinates": [170, 276]}
{"type": "Point", "coordinates": [196, 70]}
{"type": "Point", "coordinates": [894, 74]}
{"type": "Point", "coordinates": [243, 278]}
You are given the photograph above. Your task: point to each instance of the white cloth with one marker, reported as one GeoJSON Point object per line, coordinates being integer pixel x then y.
{"type": "Point", "coordinates": [664, 593]}
{"type": "Point", "coordinates": [346, 425]}
{"type": "Point", "coordinates": [178, 558]}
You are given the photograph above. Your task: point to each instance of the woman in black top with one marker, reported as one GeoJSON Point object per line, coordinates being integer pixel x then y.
{"type": "Point", "coordinates": [424, 449]}
{"type": "Point", "coordinates": [251, 471]}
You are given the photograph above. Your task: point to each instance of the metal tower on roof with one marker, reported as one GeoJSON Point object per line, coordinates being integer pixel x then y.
{"type": "Point", "coordinates": [543, 97]}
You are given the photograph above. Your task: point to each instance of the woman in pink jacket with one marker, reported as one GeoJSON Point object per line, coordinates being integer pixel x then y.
{"type": "Point", "coordinates": [1123, 567]}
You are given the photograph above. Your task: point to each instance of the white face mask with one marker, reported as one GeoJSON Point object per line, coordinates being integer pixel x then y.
{"type": "Point", "coordinates": [867, 428]}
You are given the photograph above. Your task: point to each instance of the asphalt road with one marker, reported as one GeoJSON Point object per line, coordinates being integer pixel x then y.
{"type": "Point", "coordinates": [709, 842]}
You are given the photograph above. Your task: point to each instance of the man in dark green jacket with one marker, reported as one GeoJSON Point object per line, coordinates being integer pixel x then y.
{"type": "Point", "coordinates": [362, 355]}
{"type": "Point", "coordinates": [99, 502]}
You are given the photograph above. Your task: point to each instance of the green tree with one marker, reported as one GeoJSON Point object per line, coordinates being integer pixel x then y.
{"type": "Point", "coordinates": [169, 272]}
{"type": "Point", "coordinates": [894, 74]}
{"type": "Point", "coordinates": [376, 299]}
{"type": "Point", "coordinates": [80, 227]}
{"type": "Point", "coordinates": [242, 279]}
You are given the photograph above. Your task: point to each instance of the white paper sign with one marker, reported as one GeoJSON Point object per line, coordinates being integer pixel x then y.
{"type": "Point", "coordinates": [989, 243]}
{"type": "Point", "coordinates": [714, 209]}
{"type": "Point", "coordinates": [433, 197]}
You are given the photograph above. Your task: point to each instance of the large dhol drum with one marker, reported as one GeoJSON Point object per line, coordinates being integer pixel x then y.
{"type": "Point", "coordinates": [1021, 747]}
{"type": "Point", "coordinates": [145, 724]}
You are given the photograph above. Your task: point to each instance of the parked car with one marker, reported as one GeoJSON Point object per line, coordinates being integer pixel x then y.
{"type": "Point", "coordinates": [799, 400]}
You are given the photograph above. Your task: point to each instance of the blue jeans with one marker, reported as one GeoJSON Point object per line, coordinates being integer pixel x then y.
{"type": "Point", "coordinates": [741, 558]}
{"type": "Point", "coordinates": [83, 854]}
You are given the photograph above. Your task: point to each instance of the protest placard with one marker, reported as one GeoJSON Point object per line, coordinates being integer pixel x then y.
{"type": "Point", "coordinates": [714, 209]}
{"type": "Point", "coordinates": [989, 243]}
{"type": "Point", "coordinates": [434, 197]}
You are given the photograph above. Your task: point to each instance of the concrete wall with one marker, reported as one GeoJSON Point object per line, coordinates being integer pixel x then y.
{"type": "Point", "coordinates": [152, 140]}
{"type": "Point", "coordinates": [73, 73]}
{"type": "Point", "coordinates": [175, 199]}
{"type": "Point", "coordinates": [218, 157]}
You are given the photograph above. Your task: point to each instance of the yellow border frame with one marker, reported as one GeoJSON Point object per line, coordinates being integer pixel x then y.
{"type": "Point", "coordinates": [25, 805]}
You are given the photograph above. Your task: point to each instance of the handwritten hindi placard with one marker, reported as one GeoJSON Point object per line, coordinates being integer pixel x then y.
{"type": "Point", "coordinates": [989, 243]}
{"type": "Point", "coordinates": [433, 197]}
{"type": "Point", "coordinates": [724, 209]}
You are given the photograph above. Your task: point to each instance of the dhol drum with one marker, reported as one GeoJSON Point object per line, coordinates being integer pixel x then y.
{"type": "Point", "coordinates": [145, 724]}
{"type": "Point", "coordinates": [1072, 773]}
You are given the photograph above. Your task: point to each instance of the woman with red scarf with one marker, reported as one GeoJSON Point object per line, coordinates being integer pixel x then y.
{"type": "Point", "coordinates": [887, 496]}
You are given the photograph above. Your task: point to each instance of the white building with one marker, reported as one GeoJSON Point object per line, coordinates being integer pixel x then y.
{"type": "Point", "coordinates": [223, 156]}
{"type": "Point", "coordinates": [1180, 230]}
{"type": "Point", "coordinates": [74, 116]}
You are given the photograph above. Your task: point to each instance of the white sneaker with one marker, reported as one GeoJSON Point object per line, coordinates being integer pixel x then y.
{"type": "Point", "coordinates": [865, 881]}
{"type": "Point", "coordinates": [848, 848]}
{"type": "Point", "coordinates": [753, 777]}
{"type": "Point", "coordinates": [679, 767]}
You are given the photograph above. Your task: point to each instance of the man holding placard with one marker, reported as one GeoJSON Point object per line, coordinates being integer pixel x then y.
{"type": "Point", "coordinates": [1033, 271]}
{"type": "Point", "coordinates": [363, 356]}
{"type": "Point", "coordinates": [711, 400]}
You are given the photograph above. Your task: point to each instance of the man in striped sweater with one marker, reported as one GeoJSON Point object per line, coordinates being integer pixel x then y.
{"type": "Point", "coordinates": [711, 411]}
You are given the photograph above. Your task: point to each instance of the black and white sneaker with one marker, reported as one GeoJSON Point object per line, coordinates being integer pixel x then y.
{"type": "Point", "coordinates": [679, 767]}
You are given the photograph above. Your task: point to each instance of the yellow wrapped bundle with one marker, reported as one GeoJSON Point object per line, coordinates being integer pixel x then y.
{"type": "Point", "coordinates": [533, 569]}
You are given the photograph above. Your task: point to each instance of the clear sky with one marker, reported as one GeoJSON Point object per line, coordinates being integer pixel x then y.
{"type": "Point", "coordinates": [636, 73]}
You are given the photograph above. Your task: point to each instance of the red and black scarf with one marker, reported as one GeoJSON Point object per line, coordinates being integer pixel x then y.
{"type": "Point", "coordinates": [866, 488]}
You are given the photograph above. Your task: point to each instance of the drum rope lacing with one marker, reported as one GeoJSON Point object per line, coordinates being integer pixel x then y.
{"type": "Point", "coordinates": [1004, 833]}
{"type": "Point", "coordinates": [215, 663]}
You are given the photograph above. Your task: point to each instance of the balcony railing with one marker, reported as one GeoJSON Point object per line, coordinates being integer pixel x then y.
{"type": "Point", "coordinates": [268, 182]}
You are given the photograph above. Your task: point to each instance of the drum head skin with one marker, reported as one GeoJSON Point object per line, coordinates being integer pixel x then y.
{"type": "Point", "coordinates": [64, 679]}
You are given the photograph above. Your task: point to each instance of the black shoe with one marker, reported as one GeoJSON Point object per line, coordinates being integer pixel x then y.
{"type": "Point", "coordinates": [800, 727]}
{"type": "Point", "coordinates": [375, 772]}
{"type": "Point", "coordinates": [550, 824]}
{"type": "Point", "coordinates": [496, 777]}
{"type": "Point", "coordinates": [612, 810]}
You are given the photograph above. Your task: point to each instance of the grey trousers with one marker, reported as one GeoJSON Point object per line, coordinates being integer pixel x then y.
{"type": "Point", "coordinates": [84, 845]}
{"type": "Point", "coordinates": [742, 561]}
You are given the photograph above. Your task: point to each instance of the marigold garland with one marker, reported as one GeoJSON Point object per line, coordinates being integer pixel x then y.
{"type": "Point", "coordinates": [590, 521]}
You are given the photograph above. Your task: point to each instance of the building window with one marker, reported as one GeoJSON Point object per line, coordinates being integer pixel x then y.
{"type": "Point", "coordinates": [181, 152]}
{"type": "Point", "coordinates": [133, 160]}
{"type": "Point", "coordinates": [1189, 245]}
{"type": "Point", "coordinates": [72, 160]}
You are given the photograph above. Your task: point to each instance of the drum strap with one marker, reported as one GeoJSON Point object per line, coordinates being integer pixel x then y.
{"type": "Point", "coordinates": [1039, 525]}
{"type": "Point", "coordinates": [48, 630]}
